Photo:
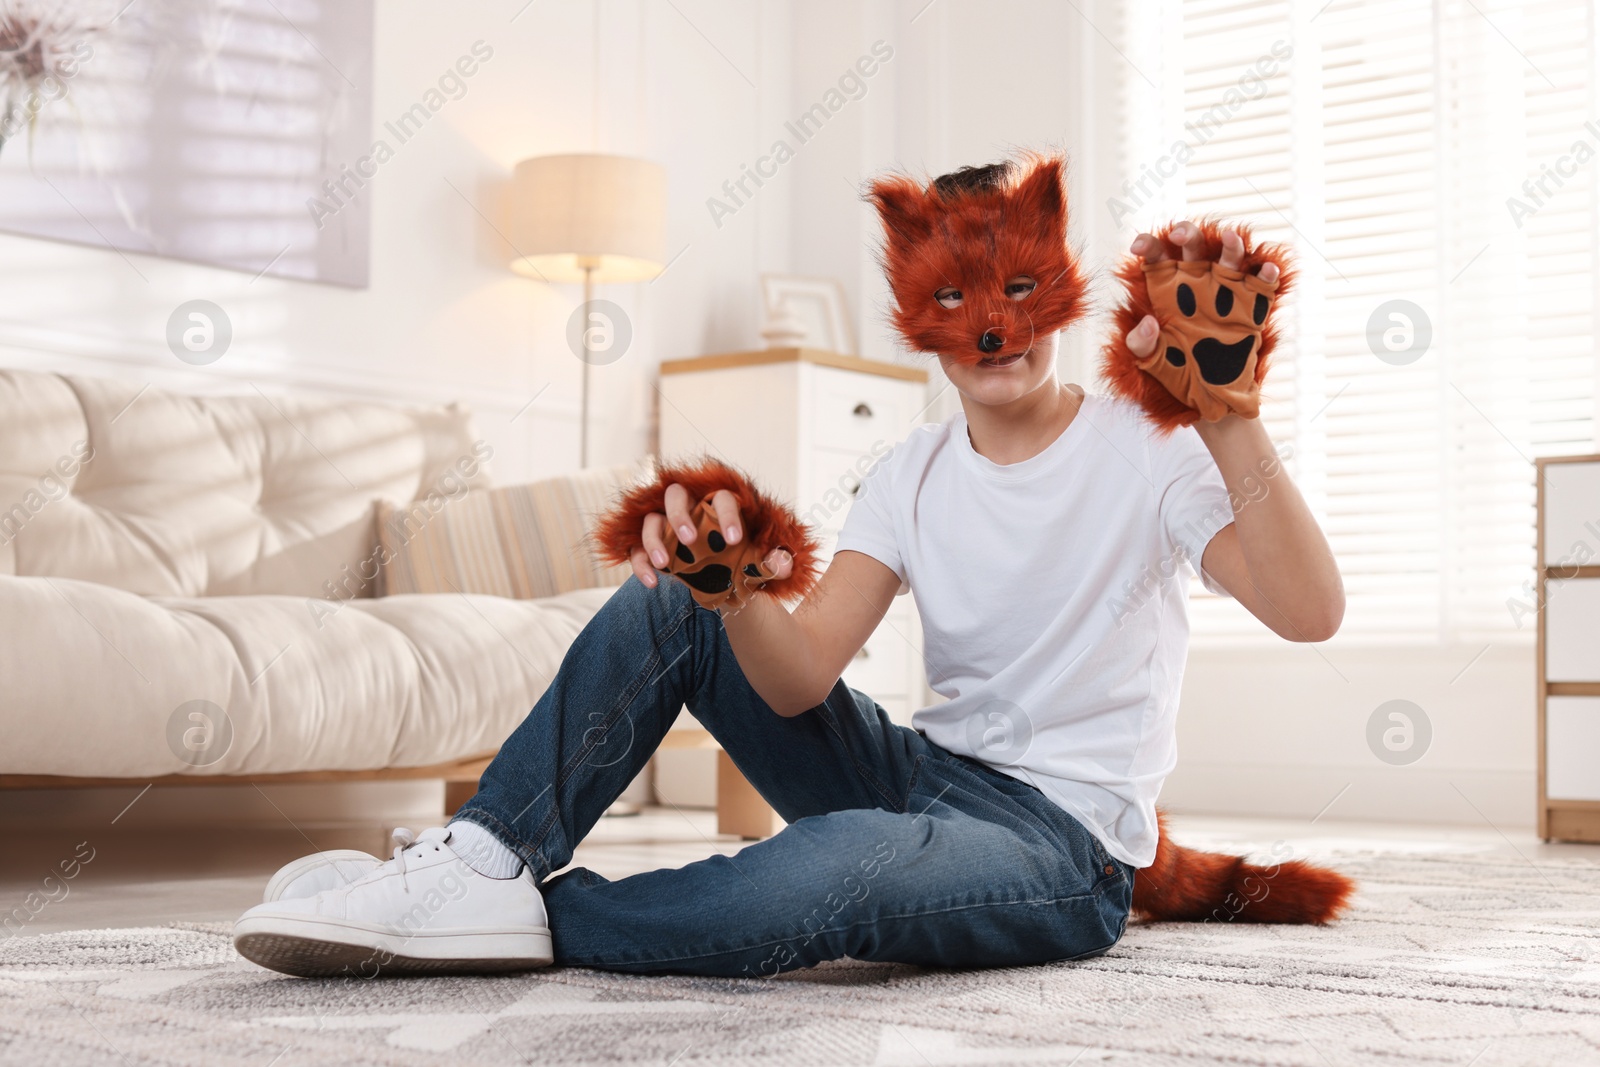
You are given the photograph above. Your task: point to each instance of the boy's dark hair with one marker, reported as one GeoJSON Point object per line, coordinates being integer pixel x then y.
{"type": "Point", "coordinates": [973, 179]}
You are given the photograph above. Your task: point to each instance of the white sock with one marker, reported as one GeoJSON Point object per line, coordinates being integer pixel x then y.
{"type": "Point", "coordinates": [482, 851]}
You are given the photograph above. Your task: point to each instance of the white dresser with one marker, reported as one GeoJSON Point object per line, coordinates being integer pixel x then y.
{"type": "Point", "coordinates": [1569, 648]}
{"type": "Point", "coordinates": [807, 425]}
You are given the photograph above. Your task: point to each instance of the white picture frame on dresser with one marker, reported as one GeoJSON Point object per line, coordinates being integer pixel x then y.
{"type": "Point", "coordinates": [1568, 650]}
{"type": "Point", "coordinates": [815, 307]}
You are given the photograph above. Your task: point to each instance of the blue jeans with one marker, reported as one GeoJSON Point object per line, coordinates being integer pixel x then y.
{"type": "Point", "coordinates": [896, 850]}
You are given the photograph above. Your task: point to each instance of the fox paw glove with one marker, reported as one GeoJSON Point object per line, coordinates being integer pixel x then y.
{"type": "Point", "coordinates": [1211, 319]}
{"type": "Point", "coordinates": [720, 576]}
{"type": "Point", "coordinates": [1216, 331]}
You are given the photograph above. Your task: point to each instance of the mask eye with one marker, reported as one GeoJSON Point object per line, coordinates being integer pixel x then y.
{"type": "Point", "coordinates": [949, 297]}
{"type": "Point", "coordinates": [1019, 287]}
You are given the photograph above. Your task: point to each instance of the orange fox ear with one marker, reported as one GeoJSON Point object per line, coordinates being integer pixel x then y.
{"type": "Point", "coordinates": [1041, 196]}
{"type": "Point", "coordinates": [901, 208]}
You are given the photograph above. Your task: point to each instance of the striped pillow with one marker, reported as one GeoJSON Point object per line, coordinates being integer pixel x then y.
{"type": "Point", "coordinates": [522, 541]}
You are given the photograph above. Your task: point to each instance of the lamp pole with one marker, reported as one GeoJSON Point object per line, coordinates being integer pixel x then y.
{"type": "Point", "coordinates": [588, 264]}
{"type": "Point", "coordinates": [583, 420]}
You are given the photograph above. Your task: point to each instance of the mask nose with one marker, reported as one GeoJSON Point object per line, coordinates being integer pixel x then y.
{"type": "Point", "coordinates": [991, 341]}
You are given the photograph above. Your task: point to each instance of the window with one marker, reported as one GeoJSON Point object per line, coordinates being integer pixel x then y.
{"type": "Point", "coordinates": [1432, 167]}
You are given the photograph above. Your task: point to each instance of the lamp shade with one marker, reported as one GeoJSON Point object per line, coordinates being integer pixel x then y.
{"type": "Point", "coordinates": [604, 213]}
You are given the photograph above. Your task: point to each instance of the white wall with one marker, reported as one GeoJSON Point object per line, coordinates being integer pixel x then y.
{"type": "Point", "coordinates": [1281, 730]}
{"type": "Point", "coordinates": [702, 86]}
{"type": "Point", "coordinates": [1271, 728]}
{"type": "Point", "coordinates": [443, 318]}
{"type": "Point", "coordinates": [705, 86]}
{"type": "Point", "coordinates": [968, 83]}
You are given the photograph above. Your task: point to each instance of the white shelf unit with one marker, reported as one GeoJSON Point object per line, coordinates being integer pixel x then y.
{"type": "Point", "coordinates": [1568, 657]}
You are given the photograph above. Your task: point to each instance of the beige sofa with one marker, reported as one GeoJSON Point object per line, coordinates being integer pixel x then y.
{"type": "Point", "coordinates": [166, 556]}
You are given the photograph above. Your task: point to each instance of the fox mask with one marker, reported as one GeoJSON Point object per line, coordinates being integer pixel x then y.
{"type": "Point", "coordinates": [978, 260]}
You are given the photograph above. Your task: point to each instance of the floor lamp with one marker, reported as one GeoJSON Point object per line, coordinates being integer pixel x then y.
{"type": "Point", "coordinates": [591, 219]}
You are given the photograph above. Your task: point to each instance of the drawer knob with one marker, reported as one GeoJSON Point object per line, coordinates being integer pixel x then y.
{"type": "Point", "coordinates": [862, 410]}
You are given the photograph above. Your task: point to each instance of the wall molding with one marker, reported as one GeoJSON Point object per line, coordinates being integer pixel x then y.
{"type": "Point", "coordinates": [1461, 796]}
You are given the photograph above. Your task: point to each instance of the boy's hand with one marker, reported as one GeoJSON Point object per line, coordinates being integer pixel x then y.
{"type": "Point", "coordinates": [708, 523]}
{"type": "Point", "coordinates": [1202, 341]}
{"type": "Point", "coordinates": [1192, 340]}
{"type": "Point", "coordinates": [704, 547]}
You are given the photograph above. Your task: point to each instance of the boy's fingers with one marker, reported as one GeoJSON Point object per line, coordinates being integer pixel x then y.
{"type": "Point", "coordinates": [779, 563]}
{"type": "Point", "coordinates": [726, 505]}
{"type": "Point", "coordinates": [1151, 250]}
{"type": "Point", "coordinates": [677, 505]}
{"type": "Point", "coordinates": [1143, 337]}
{"type": "Point", "coordinates": [1269, 272]}
{"type": "Point", "coordinates": [1187, 235]}
{"type": "Point", "coordinates": [642, 569]}
{"type": "Point", "coordinates": [655, 526]}
{"type": "Point", "coordinates": [1232, 250]}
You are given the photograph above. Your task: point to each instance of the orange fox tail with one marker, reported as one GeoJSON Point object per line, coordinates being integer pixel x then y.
{"type": "Point", "coordinates": [1190, 885]}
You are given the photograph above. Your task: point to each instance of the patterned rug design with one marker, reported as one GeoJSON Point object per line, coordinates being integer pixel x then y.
{"type": "Point", "coordinates": [1448, 958]}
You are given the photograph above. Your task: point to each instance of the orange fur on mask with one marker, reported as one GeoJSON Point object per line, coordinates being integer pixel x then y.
{"type": "Point", "coordinates": [976, 240]}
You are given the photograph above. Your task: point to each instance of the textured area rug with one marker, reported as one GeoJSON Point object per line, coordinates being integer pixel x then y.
{"type": "Point", "coordinates": [1448, 958]}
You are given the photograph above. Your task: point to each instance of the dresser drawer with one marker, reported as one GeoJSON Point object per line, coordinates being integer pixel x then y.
{"type": "Point", "coordinates": [1571, 623]}
{"type": "Point", "coordinates": [1571, 514]}
{"type": "Point", "coordinates": [1572, 748]}
{"type": "Point", "coordinates": [831, 486]}
{"type": "Point", "coordinates": [854, 412]}
{"type": "Point", "coordinates": [882, 667]}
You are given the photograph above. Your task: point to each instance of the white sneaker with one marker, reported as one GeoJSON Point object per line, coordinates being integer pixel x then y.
{"type": "Point", "coordinates": [422, 912]}
{"type": "Point", "coordinates": [310, 875]}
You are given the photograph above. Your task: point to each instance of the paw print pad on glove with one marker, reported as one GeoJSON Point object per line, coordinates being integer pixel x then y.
{"type": "Point", "coordinates": [719, 575]}
{"type": "Point", "coordinates": [1211, 320]}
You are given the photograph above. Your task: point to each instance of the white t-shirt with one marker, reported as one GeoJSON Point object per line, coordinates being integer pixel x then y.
{"type": "Point", "coordinates": [1052, 594]}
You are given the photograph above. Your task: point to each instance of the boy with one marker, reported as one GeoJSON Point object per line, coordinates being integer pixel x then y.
{"type": "Point", "coordinates": [1041, 529]}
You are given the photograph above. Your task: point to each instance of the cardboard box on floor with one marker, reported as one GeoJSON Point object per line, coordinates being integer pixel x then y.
{"type": "Point", "coordinates": [683, 776]}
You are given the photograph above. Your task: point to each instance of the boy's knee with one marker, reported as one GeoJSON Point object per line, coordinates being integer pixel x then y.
{"type": "Point", "coordinates": [639, 609]}
{"type": "Point", "coordinates": [669, 600]}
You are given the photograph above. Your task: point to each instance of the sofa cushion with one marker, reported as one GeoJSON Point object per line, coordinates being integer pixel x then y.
{"type": "Point", "coordinates": [519, 541]}
{"type": "Point", "coordinates": [305, 684]}
{"type": "Point", "coordinates": [170, 495]}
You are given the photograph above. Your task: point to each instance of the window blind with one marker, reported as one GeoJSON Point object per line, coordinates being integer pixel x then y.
{"type": "Point", "coordinates": [1389, 142]}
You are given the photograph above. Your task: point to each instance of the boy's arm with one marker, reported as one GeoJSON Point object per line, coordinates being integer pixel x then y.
{"type": "Point", "coordinates": [792, 660]}
{"type": "Point", "coordinates": [1273, 558]}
